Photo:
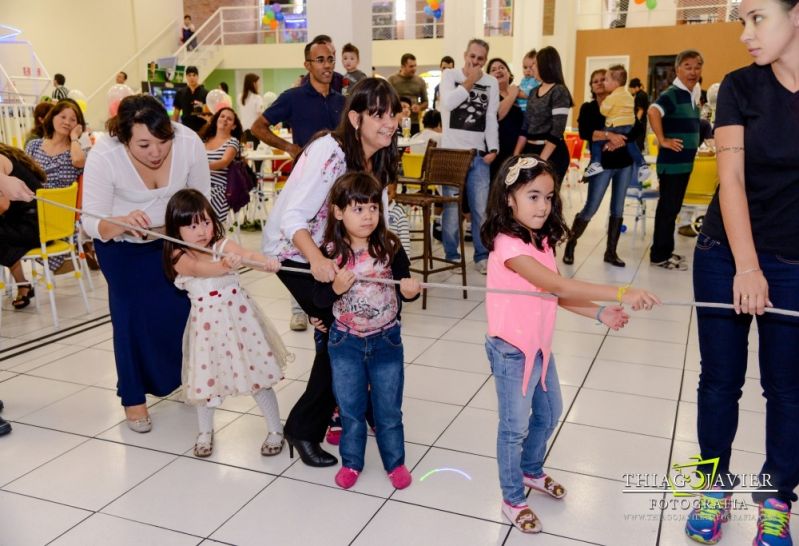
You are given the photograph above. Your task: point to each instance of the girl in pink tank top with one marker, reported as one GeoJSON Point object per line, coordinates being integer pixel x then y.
{"type": "Point", "coordinates": [523, 224]}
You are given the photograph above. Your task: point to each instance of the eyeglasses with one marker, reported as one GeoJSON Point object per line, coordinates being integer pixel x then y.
{"type": "Point", "coordinates": [322, 60]}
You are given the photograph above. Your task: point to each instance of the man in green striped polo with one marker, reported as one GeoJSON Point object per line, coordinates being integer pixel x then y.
{"type": "Point", "coordinates": [674, 118]}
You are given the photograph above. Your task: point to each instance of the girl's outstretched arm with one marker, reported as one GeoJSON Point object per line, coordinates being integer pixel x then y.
{"type": "Point", "coordinates": [612, 316]}
{"type": "Point", "coordinates": [191, 265]}
{"type": "Point", "coordinates": [268, 263]}
{"type": "Point", "coordinates": [572, 289]}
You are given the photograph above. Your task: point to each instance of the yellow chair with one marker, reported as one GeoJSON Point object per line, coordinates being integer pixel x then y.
{"type": "Point", "coordinates": [56, 231]}
{"type": "Point", "coordinates": [701, 188]}
{"type": "Point", "coordinates": [652, 144]}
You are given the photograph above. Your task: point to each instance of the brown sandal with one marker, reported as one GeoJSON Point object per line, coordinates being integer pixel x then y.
{"type": "Point", "coordinates": [545, 484]}
{"type": "Point", "coordinates": [204, 445]}
{"type": "Point", "coordinates": [522, 518]}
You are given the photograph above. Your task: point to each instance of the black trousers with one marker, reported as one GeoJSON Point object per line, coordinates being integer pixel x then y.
{"type": "Point", "coordinates": [672, 192]}
{"type": "Point", "coordinates": [310, 416]}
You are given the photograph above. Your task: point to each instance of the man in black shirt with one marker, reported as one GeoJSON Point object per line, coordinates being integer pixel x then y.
{"type": "Point", "coordinates": [641, 106]}
{"type": "Point", "coordinates": [190, 102]}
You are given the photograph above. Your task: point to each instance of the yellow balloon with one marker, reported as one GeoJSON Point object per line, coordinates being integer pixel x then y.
{"type": "Point", "coordinates": [265, 20]}
{"type": "Point", "coordinates": [82, 104]}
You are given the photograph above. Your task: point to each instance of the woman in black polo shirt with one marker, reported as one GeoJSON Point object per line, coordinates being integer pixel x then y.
{"type": "Point", "coordinates": [748, 252]}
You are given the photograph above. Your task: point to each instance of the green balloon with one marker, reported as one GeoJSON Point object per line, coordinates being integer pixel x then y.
{"type": "Point", "coordinates": [651, 4]}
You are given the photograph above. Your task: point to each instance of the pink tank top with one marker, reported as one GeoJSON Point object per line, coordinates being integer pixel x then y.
{"type": "Point", "coordinates": [527, 322]}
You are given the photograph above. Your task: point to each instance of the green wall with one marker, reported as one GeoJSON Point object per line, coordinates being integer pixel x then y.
{"type": "Point", "coordinates": [272, 79]}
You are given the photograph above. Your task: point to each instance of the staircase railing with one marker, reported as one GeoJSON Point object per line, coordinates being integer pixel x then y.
{"type": "Point", "coordinates": [136, 69]}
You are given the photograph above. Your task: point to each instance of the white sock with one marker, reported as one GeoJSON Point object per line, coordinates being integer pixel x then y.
{"type": "Point", "coordinates": [267, 402]}
{"type": "Point", "coordinates": [205, 418]}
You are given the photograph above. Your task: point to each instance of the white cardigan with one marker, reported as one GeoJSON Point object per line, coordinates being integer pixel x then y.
{"type": "Point", "coordinates": [112, 187]}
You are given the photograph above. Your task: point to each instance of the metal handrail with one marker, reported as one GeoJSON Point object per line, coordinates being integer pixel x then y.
{"type": "Point", "coordinates": [104, 86]}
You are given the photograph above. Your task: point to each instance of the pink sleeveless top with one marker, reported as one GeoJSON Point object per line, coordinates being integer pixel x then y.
{"type": "Point", "coordinates": [527, 322]}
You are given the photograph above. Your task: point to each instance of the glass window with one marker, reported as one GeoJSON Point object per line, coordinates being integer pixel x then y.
{"type": "Point", "coordinates": [405, 20]}
{"type": "Point", "coordinates": [498, 17]}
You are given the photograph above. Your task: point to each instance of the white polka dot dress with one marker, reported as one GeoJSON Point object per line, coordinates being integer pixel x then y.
{"type": "Point", "coordinates": [229, 347]}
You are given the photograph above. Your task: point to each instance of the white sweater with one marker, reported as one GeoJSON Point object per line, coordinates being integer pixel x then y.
{"type": "Point", "coordinates": [250, 110]}
{"type": "Point", "coordinates": [112, 187]}
{"type": "Point", "coordinates": [469, 118]}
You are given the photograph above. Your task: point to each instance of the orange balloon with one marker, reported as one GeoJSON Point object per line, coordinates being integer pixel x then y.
{"type": "Point", "coordinates": [639, 2]}
{"type": "Point", "coordinates": [273, 23]}
{"type": "Point", "coordinates": [433, 4]}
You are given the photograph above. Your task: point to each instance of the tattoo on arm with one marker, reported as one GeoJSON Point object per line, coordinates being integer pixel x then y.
{"type": "Point", "coordinates": [734, 149]}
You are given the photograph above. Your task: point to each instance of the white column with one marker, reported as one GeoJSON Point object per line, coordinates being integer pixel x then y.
{"type": "Point", "coordinates": [344, 21]}
{"type": "Point", "coordinates": [460, 26]}
{"type": "Point", "coordinates": [527, 30]}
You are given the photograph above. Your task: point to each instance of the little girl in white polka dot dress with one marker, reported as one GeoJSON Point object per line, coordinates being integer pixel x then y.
{"type": "Point", "coordinates": [229, 347]}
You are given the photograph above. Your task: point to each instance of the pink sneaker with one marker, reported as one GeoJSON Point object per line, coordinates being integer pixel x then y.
{"type": "Point", "coordinates": [346, 477]}
{"type": "Point", "coordinates": [333, 436]}
{"type": "Point", "coordinates": [400, 477]}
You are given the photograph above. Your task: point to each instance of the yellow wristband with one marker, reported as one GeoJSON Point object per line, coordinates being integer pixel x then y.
{"type": "Point", "coordinates": [621, 291]}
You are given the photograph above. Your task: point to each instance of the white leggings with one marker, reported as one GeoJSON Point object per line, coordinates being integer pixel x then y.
{"type": "Point", "coordinates": [267, 402]}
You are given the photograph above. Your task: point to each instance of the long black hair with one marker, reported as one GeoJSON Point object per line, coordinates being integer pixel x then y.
{"type": "Point", "coordinates": [188, 206]}
{"type": "Point", "coordinates": [499, 216]}
{"type": "Point", "coordinates": [368, 97]}
{"type": "Point", "coordinates": [357, 188]}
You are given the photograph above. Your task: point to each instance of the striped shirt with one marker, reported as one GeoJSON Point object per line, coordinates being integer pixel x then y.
{"type": "Point", "coordinates": [399, 225]}
{"type": "Point", "coordinates": [219, 178]}
{"type": "Point", "coordinates": [680, 116]}
{"type": "Point", "coordinates": [60, 92]}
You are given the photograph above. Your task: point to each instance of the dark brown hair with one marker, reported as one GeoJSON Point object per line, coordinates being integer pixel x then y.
{"type": "Point", "coordinates": [503, 63]}
{"type": "Point", "coordinates": [250, 80]}
{"type": "Point", "coordinates": [39, 113]}
{"type": "Point", "coordinates": [350, 48]}
{"type": "Point", "coordinates": [368, 97]}
{"type": "Point", "coordinates": [63, 104]}
{"type": "Point", "coordinates": [499, 216]}
{"type": "Point", "coordinates": [549, 65]}
{"type": "Point", "coordinates": [602, 71]}
{"type": "Point", "coordinates": [144, 109]}
{"type": "Point", "coordinates": [209, 131]}
{"type": "Point", "coordinates": [357, 188]}
{"type": "Point", "coordinates": [186, 207]}
{"type": "Point", "coordinates": [24, 159]}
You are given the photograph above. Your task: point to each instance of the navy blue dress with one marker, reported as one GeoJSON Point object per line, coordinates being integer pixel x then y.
{"type": "Point", "coordinates": [149, 316]}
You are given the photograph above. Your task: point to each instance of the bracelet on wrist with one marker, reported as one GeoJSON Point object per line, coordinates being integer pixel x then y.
{"type": "Point", "coordinates": [747, 271]}
{"type": "Point", "coordinates": [599, 313]}
{"type": "Point", "coordinates": [621, 291]}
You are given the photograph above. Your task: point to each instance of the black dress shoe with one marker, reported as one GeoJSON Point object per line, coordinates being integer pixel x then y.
{"type": "Point", "coordinates": [310, 452]}
{"type": "Point", "coordinates": [1, 405]}
{"type": "Point", "coordinates": [5, 427]}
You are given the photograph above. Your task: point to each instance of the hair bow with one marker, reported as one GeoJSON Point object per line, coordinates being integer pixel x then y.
{"type": "Point", "coordinates": [522, 163]}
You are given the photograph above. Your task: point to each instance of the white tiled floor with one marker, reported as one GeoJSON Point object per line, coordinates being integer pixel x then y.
{"type": "Point", "coordinates": [71, 472]}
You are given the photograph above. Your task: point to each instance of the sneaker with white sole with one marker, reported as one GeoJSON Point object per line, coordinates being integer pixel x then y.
{"type": "Point", "coordinates": [481, 266]}
{"type": "Point", "coordinates": [592, 169]}
{"type": "Point", "coordinates": [644, 173]}
{"type": "Point", "coordinates": [672, 263]}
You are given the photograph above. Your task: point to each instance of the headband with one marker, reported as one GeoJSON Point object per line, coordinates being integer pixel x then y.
{"type": "Point", "coordinates": [522, 163]}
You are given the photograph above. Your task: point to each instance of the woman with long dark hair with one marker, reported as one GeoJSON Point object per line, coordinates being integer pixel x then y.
{"type": "Point", "coordinates": [364, 140]}
{"type": "Point", "coordinates": [547, 110]}
{"type": "Point", "coordinates": [130, 178]}
{"type": "Point", "coordinates": [250, 105]}
{"type": "Point", "coordinates": [222, 138]}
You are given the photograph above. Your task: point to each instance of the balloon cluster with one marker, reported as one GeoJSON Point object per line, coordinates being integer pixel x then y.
{"type": "Point", "coordinates": [115, 95]}
{"type": "Point", "coordinates": [434, 8]}
{"type": "Point", "coordinates": [651, 4]}
{"type": "Point", "coordinates": [273, 15]}
{"type": "Point", "coordinates": [216, 99]}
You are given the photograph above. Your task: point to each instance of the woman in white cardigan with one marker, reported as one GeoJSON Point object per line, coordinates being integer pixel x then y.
{"type": "Point", "coordinates": [129, 177]}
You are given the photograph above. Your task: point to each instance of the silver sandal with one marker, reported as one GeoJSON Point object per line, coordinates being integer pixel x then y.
{"type": "Point", "coordinates": [270, 449]}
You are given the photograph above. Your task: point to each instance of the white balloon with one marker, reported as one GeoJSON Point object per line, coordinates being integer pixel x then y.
{"type": "Point", "coordinates": [269, 98]}
{"type": "Point", "coordinates": [76, 95]}
{"type": "Point", "coordinates": [217, 99]}
{"type": "Point", "coordinates": [713, 94]}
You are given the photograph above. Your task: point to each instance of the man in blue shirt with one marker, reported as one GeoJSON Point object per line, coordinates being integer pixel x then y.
{"type": "Point", "coordinates": [309, 108]}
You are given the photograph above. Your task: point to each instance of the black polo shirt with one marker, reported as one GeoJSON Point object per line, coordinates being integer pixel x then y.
{"type": "Point", "coordinates": [191, 103]}
{"type": "Point", "coordinates": [306, 110]}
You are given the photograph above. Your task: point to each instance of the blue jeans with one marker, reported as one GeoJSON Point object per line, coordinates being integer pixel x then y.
{"type": "Point", "coordinates": [477, 182]}
{"type": "Point", "coordinates": [522, 437]}
{"type": "Point", "coordinates": [363, 368]}
{"type": "Point", "coordinates": [723, 346]}
{"type": "Point", "coordinates": [598, 185]}
{"type": "Point", "coordinates": [632, 147]}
